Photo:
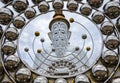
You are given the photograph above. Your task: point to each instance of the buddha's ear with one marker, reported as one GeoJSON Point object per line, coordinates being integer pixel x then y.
{"type": "Point", "coordinates": [50, 35]}
{"type": "Point", "coordinates": [69, 34]}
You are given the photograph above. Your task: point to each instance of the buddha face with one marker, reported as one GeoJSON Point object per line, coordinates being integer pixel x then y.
{"type": "Point", "coordinates": [59, 36]}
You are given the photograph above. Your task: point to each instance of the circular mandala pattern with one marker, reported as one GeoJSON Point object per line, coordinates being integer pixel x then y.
{"type": "Point", "coordinates": [59, 41]}
{"type": "Point", "coordinates": [81, 50]}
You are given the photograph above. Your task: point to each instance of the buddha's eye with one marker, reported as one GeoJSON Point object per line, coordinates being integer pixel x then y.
{"type": "Point", "coordinates": [62, 39]}
{"type": "Point", "coordinates": [63, 32]}
{"type": "Point", "coordinates": [55, 33]}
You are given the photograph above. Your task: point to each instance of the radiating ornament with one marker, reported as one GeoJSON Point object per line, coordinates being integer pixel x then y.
{"type": "Point", "coordinates": [6, 15]}
{"type": "Point", "coordinates": [72, 5]}
{"type": "Point", "coordinates": [107, 28]}
{"type": "Point", "coordinates": [110, 58]}
{"type": "Point", "coordinates": [30, 12]}
{"type": "Point", "coordinates": [9, 48]}
{"type": "Point", "coordinates": [19, 22]}
{"type": "Point", "coordinates": [11, 34]}
{"type": "Point", "coordinates": [20, 5]}
{"type": "Point", "coordinates": [112, 42]}
{"type": "Point", "coordinates": [112, 9]}
{"type": "Point", "coordinates": [43, 7]}
{"type": "Point", "coordinates": [23, 75]}
{"type": "Point", "coordinates": [58, 4]}
{"type": "Point", "coordinates": [12, 62]}
{"type": "Point", "coordinates": [86, 9]}
{"type": "Point", "coordinates": [100, 73]}
{"type": "Point", "coordinates": [98, 17]}
{"type": "Point", "coordinates": [95, 3]}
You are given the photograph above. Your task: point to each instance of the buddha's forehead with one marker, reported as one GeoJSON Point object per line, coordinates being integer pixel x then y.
{"type": "Point", "coordinates": [59, 26]}
{"type": "Point", "coordinates": [59, 29]}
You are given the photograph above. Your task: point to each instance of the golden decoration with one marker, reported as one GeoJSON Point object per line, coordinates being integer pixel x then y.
{"type": "Point", "coordinates": [37, 33]}
{"type": "Point", "coordinates": [88, 48]}
{"type": "Point", "coordinates": [39, 51]}
{"type": "Point", "coordinates": [71, 20]}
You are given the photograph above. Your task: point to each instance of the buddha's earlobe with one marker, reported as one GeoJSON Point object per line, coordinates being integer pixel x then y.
{"type": "Point", "coordinates": [69, 34]}
{"type": "Point", "coordinates": [50, 35]}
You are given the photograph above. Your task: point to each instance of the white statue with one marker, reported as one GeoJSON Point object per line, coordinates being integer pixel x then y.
{"type": "Point", "coordinates": [59, 36]}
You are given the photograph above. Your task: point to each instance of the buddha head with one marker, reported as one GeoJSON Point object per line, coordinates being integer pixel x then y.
{"type": "Point", "coordinates": [59, 34]}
